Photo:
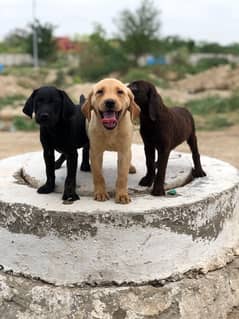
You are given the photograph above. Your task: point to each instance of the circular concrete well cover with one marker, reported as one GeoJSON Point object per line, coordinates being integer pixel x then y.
{"type": "Point", "coordinates": [104, 243]}
{"type": "Point", "coordinates": [178, 172]}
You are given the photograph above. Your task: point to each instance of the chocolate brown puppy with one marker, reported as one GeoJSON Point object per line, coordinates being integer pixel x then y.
{"type": "Point", "coordinates": [162, 129]}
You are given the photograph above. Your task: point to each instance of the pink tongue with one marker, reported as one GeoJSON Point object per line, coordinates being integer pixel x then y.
{"type": "Point", "coordinates": [109, 119]}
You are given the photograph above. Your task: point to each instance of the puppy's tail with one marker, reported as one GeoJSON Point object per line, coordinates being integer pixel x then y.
{"type": "Point", "coordinates": [82, 99]}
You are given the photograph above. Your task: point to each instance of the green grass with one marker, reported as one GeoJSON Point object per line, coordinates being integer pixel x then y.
{"type": "Point", "coordinates": [26, 71]}
{"type": "Point", "coordinates": [213, 123]}
{"type": "Point", "coordinates": [24, 124]}
{"type": "Point", "coordinates": [11, 100]}
{"type": "Point", "coordinates": [214, 104]}
{"type": "Point", "coordinates": [207, 63]}
{"type": "Point", "coordinates": [144, 74]}
{"type": "Point", "coordinates": [215, 113]}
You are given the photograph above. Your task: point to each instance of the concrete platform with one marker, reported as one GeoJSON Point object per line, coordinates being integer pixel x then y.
{"type": "Point", "coordinates": [178, 172]}
{"type": "Point", "coordinates": [91, 243]}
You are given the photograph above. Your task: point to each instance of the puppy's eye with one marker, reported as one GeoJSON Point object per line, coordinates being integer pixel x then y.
{"type": "Point", "coordinates": [120, 92]}
{"type": "Point", "coordinates": [99, 92]}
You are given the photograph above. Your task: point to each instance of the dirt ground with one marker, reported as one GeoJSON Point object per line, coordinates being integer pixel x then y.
{"type": "Point", "coordinates": [220, 144]}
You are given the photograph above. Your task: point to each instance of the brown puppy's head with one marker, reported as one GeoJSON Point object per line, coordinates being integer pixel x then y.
{"type": "Point", "coordinates": [148, 99]}
{"type": "Point", "coordinates": [110, 99]}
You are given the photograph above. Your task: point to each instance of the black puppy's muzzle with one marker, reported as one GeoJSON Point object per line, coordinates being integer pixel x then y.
{"type": "Point", "coordinates": [43, 118]}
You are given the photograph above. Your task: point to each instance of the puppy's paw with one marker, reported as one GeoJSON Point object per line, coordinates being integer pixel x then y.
{"type": "Point", "coordinates": [46, 189]}
{"type": "Point", "coordinates": [101, 196]}
{"type": "Point", "coordinates": [132, 169]}
{"type": "Point", "coordinates": [70, 196]}
{"type": "Point", "coordinates": [146, 181]}
{"type": "Point", "coordinates": [85, 167]}
{"type": "Point", "coordinates": [158, 191]}
{"type": "Point", "coordinates": [198, 173]}
{"type": "Point", "coordinates": [122, 198]}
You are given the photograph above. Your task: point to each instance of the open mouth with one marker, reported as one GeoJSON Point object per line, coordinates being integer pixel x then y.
{"type": "Point", "coordinates": [110, 119]}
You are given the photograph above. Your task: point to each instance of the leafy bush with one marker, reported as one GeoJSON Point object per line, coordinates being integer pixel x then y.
{"type": "Point", "coordinates": [143, 74]}
{"type": "Point", "coordinates": [217, 122]}
{"type": "Point", "coordinates": [214, 104]}
{"type": "Point", "coordinates": [60, 78]}
{"type": "Point", "coordinates": [11, 100]}
{"type": "Point", "coordinates": [207, 63]}
{"type": "Point", "coordinates": [213, 122]}
{"type": "Point", "coordinates": [101, 57]}
{"type": "Point", "coordinates": [24, 124]}
{"type": "Point", "coordinates": [136, 74]}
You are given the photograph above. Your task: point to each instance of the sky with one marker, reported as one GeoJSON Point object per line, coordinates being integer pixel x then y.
{"type": "Point", "coordinates": [201, 20]}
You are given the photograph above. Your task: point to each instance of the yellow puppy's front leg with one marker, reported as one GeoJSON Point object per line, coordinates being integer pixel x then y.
{"type": "Point", "coordinates": [122, 196]}
{"type": "Point", "coordinates": [100, 193]}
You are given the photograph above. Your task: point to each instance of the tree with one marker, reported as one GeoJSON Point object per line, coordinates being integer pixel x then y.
{"type": "Point", "coordinates": [45, 39]}
{"type": "Point", "coordinates": [101, 56]}
{"type": "Point", "coordinates": [15, 41]}
{"type": "Point", "coordinates": [174, 43]}
{"type": "Point", "coordinates": [21, 40]}
{"type": "Point", "coordinates": [139, 31]}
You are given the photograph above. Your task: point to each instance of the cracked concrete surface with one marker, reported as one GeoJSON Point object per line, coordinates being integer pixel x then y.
{"type": "Point", "coordinates": [213, 295]}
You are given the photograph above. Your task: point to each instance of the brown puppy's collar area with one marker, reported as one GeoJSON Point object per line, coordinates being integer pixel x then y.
{"type": "Point", "coordinates": [109, 118]}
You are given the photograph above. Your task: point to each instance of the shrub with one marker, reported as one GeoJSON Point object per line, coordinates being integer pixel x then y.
{"type": "Point", "coordinates": [11, 100]}
{"type": "Point", "coordinates": [214, 104]}
{"type": "Point", "coordinates": [24, 124]}
{"type": "Point", "coordinates": [207, 63]}
{"type": "Point", "coordinates": [217, 122]}
{"type": "Point", "coordinates": [143, 74]}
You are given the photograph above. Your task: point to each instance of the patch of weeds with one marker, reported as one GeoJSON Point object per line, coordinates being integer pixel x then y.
{"type": "Point", "coordinates": [60, 79]}
{"type": "Point", "coordinates": [218, 122]}
{"type": "Point", "coordinates": [23, 124]}
{"type": "Point", "coordinates": [146, 75]}
{"type": "Point", "coordinates": [213, 123]}
{"type": "Point", "coordinates": [214, 104]}
{"type": "Point", "coordinates": [11, 100]}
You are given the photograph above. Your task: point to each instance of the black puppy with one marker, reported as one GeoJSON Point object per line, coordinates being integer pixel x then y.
{"type": "Point", "coordinates": [62, 128]}
{"type": "Point", "coordinates": [162, 129]}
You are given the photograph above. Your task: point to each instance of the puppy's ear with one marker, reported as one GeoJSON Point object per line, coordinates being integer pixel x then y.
{"type": "Point", "coordinates": [87, 107]}
{"type": "Point", "coordinates": [29, 105]}
{"type": "Point", "coordinates": [68, 106]}
{"type": "Point", "coordinates": [155, 104]}
{"type": "Point", "coordinates": [134, 109]}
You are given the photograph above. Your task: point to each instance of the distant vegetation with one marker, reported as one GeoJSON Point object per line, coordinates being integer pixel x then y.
{"type": "Point", "coordinates": [214, 113]}
{"type": "Point", "coordinates": [97, 55]}
{"type": "Point", "coordinates": [137, 35]}
{"type": "Point", "coordinates": [20, 41]}
{"type": "Point", "coordinates": [24, 124]}
{"type": "Point", "coordinates": [11, 100]}
{"type": "Point", "coordinates": [214, 105]}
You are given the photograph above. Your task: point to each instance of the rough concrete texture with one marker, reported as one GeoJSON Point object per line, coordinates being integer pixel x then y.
{"type": "Point", "coordinates": [178, 172]}
{"type": "Point", "coordinates": [195, 296]}
{"type": "Point", "coordinates": [97, 244]}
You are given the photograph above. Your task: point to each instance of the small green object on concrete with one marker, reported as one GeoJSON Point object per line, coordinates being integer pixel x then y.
{"type": "Point", "coordinates": [172, 192]}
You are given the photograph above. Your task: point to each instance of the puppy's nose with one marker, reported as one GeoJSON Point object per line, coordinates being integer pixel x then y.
{"type": "Point", "coordinates": [44, 117]}
{"type": "Point", "coordinates": [110, 103]}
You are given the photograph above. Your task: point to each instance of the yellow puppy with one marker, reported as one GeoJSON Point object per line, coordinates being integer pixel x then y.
{"type": "Point", "coordinates": [110, 110]}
